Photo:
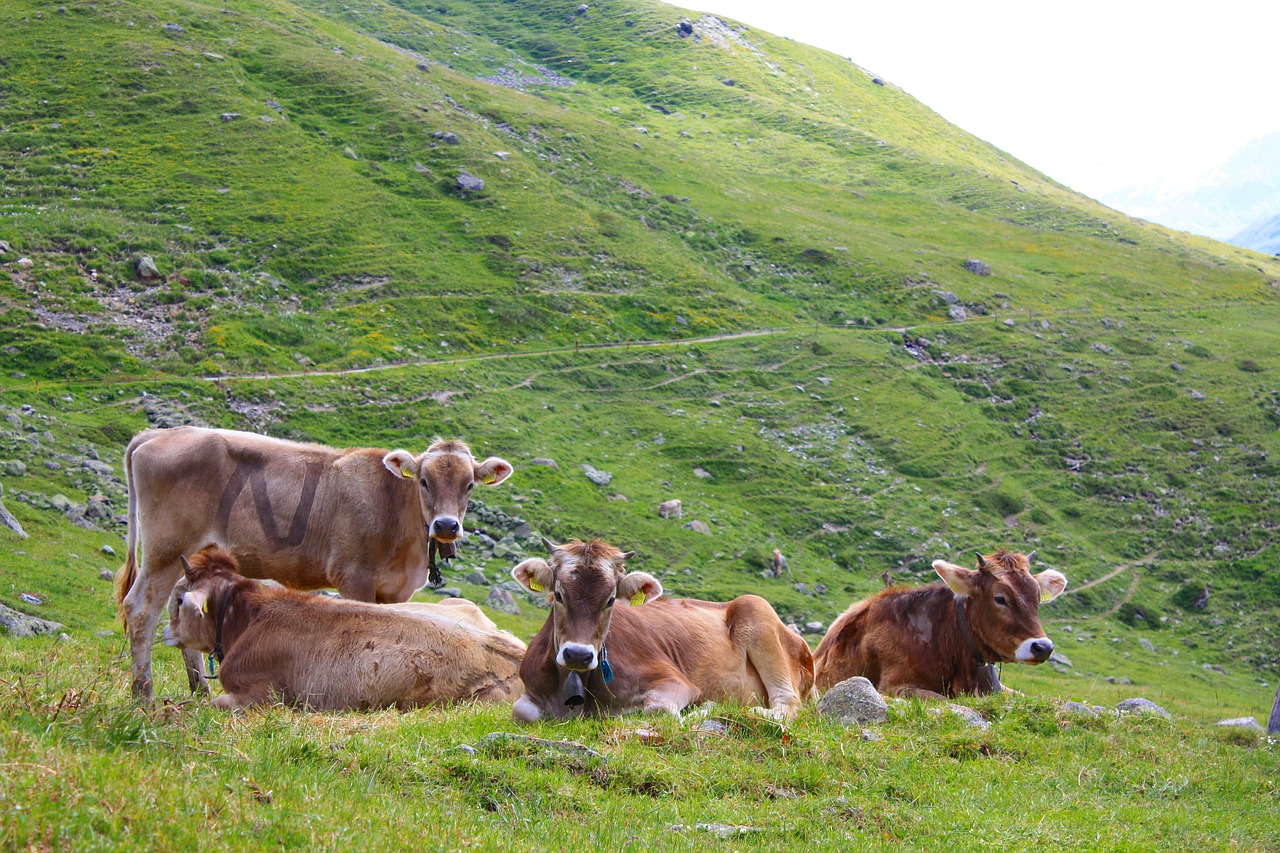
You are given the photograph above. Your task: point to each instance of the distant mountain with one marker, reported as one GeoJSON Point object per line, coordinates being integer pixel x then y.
{"type": "Point", "coordinates": [1263, 236]}
{"type": "Point", "coordinates": [1242, 192]}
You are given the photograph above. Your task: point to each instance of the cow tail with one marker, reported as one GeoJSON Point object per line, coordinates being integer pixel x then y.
{"type": "Point", "coordinates": [129, 571]}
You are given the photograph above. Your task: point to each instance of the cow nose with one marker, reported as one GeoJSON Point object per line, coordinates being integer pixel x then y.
{"type": "Point", "coordinates": [446, 526]}
{"type": "Point", "coordinates": [1041, 649]}
{"type": "Point", "coordinates": [579, 657]}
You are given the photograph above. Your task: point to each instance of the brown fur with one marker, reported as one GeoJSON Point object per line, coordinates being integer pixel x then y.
{"type": "Point", "coordinates": [665, 655]}
{"type": "Point", "coordinates": [306, 515]}
{"type": "Point", "coordinates": [909, 641]}
{"type": "Point", "coordinates": [329, 654]}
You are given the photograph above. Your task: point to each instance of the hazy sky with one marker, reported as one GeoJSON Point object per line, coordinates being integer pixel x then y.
{"type": "Point", "coordinates": [1098, 95]}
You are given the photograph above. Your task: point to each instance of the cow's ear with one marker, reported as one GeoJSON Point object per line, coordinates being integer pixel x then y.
{"type": "Point", "coordinates": [1052, 583]}
{"type": "Point", "coordinates": [493, 471]}
{"type": "Point", "coordinates": [639, 588]}
{"type": "Point", "coordinates": [958, 578]}
{"type": "Point", "coordinates": [534, 575]}
{"type": "Point", "coordinates": [401, 463]}
{"type": "Point", "coordinates": [195, 604]}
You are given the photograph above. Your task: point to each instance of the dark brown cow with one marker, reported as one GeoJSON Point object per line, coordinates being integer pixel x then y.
{"type": "Point", "coordinates": [599, 654]}
{"type": "Point", "coordinates": [276, 644]}
{"type": "Point", "coordinates": [942, 639]}
{"type": "Point", "coordinates": [368, 522]}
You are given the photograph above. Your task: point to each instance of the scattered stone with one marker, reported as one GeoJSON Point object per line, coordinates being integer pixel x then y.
{"type": "Point", "coordinates": [446, 591]}
{"type": "Point", "coordinates": [502, 155]}
{"type": "Point", "coordinates": [175, 28]}
{"type": "Point", "coordinates": [671, 509]}
{"type": "Point", "coordinates": [350, 152]}
{"type": "Point", "coordinates": [229, 116]}
{"type": "Point", "coordinates": [947, 296]}
{"type": "Point", "coordinates": [600, 478]}
{"type": "Point", "coordinates": [468, 749]}
{"type": "Point", "coordinates": [977, 267]}
{"type": "Point", "coordinates": [1121, 680]}
{"type": "Point", "coordinates": [1241, 723]}
{"type": "Point", "coordinates": [698, 527]}
{"type": "Point", "coordinates": [20, 625]}
{"type": "Point", "coordinates": [1216, 667]}
{"type": "Point", "coordinates": [476, 578]}
{"type": "Point", "coordinates": [719, 830]}
{"type": "Point", "coordinates": [447, 137]}
{"type": "Point", "coordinates": [501, 600]}
{"type": "Point", "coordinates": [550, 463]}
{"type": "Point", "coordinates": [1142, 707]}
{"type": "Point", "coordinates": [106, 575]}
{"type": "Point", "coordinates": [470, 183]}
{"type": "Point", "coordinates": [1009, 323]}
{"type": "Point", "coordinates": [1197, 395]}
{"type": "Point", "coordinates": [684, 29]}
{"type": "Point", "coordinates": [712, 727]}
{"type": "Point", "coordinates": [969, 715]}
{"type": "Point", "coordinates": [108, 550]}
{"type": "Point", "coordinates": [1146, 644]}
{"type": "Point", "coordinates": [702, 474]}
{"type": "Point", "coordinates": [146, 268]}
{"type": "Point", "coordinates": [813, 627]}
{"type": "Point", "coordinates": [30, 599]}
{"type": "Point", "coordinates": [495, 740]}
{"type": "Point", "coordinates": [854, 701]}
{"type": "Point", "coordinates": [957, 312]}
{"type": "Point", "coordinates": [1078, 708]}
{"type": "Point", "coordinates": [1060, 659]}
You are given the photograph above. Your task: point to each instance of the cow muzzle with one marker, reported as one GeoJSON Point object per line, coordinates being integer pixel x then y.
{"type": "Point", "coordinates": [1035, 650]}
{"type": "Point", "coordinates": [577, 657]}
{"type": "Point", "coordinates": [445, 529]}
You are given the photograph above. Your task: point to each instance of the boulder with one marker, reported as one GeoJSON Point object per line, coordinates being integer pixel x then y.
{"type": "Point", "coordinates": [698, 527]}
{"type": "Point", "coordinates": [1142, 707]}
{"type": "Point", "coordinates": [977, 267]}
{"type": "Point", "coordinates": [469, 183]}
{"type": "Point", "coordinates": [549, 463]}
{"type": "Point", "coordinates": [1241, 723]}
{"type": "Point", "coordinates": [20, 625]}
{"type": "Point", "coordinates": [146, 268]}
{"type": "Point", "coordinates": [501, 600]}
{"type": "Point", "coordinates": [854, 701]}
{"type": "Point", "coordinates": [600, 478]}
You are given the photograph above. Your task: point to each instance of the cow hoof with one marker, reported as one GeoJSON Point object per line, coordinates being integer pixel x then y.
{"type": "Point", "coordinates": [142, 690]}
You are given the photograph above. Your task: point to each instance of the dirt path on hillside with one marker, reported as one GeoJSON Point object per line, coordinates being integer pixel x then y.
{"type": "Point", "coordinates": [1128, 594]}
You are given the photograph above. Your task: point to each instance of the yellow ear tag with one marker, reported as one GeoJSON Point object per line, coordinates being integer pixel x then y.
{"type": "Point", "coordinates": [637, 599]}
{"type": "Point", "coordinates": [535, 586]}
{"type": "Point", "coordinates": [408, 475]}
{"type": "Point", "coordinates": [490, 479]}
{"type": "Point", "coordinates": [204, 608]}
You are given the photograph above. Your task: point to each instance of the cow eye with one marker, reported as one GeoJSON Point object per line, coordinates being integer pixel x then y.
{"type": "Point", "coordinates": [470, 486]}
{"type": "Point", "coordinates": [424, 483]}
{"type": "Point", "coordinates": [559, 597]}
{"type": "Point", "coordinates": [610, 602]}
{"type": "Point", "coordinates": [1000, 599]}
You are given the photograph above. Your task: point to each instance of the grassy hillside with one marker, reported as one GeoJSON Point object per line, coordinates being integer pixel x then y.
{"type": "Point", "coordinates": [718, 265]}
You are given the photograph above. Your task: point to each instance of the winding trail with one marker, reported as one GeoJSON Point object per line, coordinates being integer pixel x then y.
{"type": "Point", "coordinates": [1133, 583]}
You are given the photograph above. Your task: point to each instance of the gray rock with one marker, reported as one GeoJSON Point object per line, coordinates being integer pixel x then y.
{"type": "Point", "coordinates": [977, 267]}
{"type": "Point", "coordinates": [947, 297]}
{"type": "Point", "coordinates": [1078, 708]}
{"type": "Point", "coordinates": [447, 137]}
{"type": "Point", "coordinates": [476, 577]}
{"type": "Point", "coordinates": [1146, 644]}
{"type": "Point", "coordinates": [523, 530]}
{"type": "Point", "coordinates": [146, 268]}
{"type": "Point", "coordinates": [469, 183]}
{"type": "Point", "coordinates": [813, 627]}
{"type": "Point", "coordinates": [20, 625]}
{"type": "Point", "coordinates": [1215, 667]}
{"type": "Point", "coordinates": [1241, 723]}
{"type": "Point", "coordinates": [61, 503]}
{"type": "Point", "coordinates": [108, 550]}
{"type": "Point", "coordinates": [229, 116]}
{"type": "Point", "coordinates": [1118, 679]}
{"type": "Point", "coordinates": [448, 591]}
{"type": "Point", "coordinates": [106, 575]}
{"type": "Point", "coordinates": [970, 716]}
{"type": "Point", "coordinates": [712, 727]}
{"type": "Point", "coordinates": [15, 468]}
{"type": "Point", "coordinates": [550, 463]}
{"type": "Point", "coordinates": [1060, 659]}
{"type": "Point", "coordinates": [957, 312]}
{"type": "Point", "coordinates": [1141, 706]}
{"type": "Point", "coordinates": [468, 749]}
{"type": "Point", "coordinates": [8, 521]}
{"type": "Point", "coordinates": [350, 152]}
{"type": "Point", "coordinates": [174, 28]}
{"type": "Point", "coordinates": [501, 600]}
{"type": "Point", "coordinates": [703, 474]}
{"type": "Point", "coordinates": [719, 830]}
{"type": "Point", "coordinates": [854, 701]}
{"type": "Point", "coordinates": [671, 509]}
{"type": "Point", "coordinates": [600, 478]}
{"type": "Point", "coordinates": [697, 527]}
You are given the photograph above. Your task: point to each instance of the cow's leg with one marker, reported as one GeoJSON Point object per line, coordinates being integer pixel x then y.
{"type": "Point", "coordinates": [773, 664]}
{"type": "Point", "coordinates": [672, 694]}
{"type": "Point", "coordinates": [526, 710]}
{"type": "Point", "coordinates": [910, 691]}
{"type": "Point", "coordinates": [194, 663]}
{"type": "Point", "coordinates": [141, 609]}
{"type": "Point", "coordinates": [361, 585]}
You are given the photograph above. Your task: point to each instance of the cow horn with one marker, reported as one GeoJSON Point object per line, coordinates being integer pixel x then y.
{"type": "Point", "coordinates": [982, 561]}
{"type": "Point", "coordinates": [549, 545]}
{"type": "Point", "coordinates": [186, 567]}
{"type": "Point", "coordinates": [1031, 557]}
{"type": "Point", "coordinates": [627, 555]}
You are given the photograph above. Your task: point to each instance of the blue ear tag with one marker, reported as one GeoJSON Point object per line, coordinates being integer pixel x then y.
{"type": "Point", "coordinates": [606, 671]}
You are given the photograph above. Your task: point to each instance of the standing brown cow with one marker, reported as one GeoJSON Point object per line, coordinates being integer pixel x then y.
{"type": "Point", "coordinates": [942, 639]}
{"type": "Point", "coordinates": [664, 656]}
{"type": "Point", "coordinates": [368, 522]}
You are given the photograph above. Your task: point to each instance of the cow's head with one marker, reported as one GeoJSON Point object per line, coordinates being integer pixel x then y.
{"type": "Point", "coordinates": [445, 474]}
{"type": "Point", "coordinates": [205, 577]}
{"type": "Point", "coordinates": [1004, 604]}
{"type": "Point", "coordinates": [582, 580]}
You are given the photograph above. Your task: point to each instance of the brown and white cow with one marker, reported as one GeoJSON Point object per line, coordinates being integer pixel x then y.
{"type": "Point", "coordinates": [599, 652]}
{"type": "Point", "coordinates": [276, 644]}
{"type": "Point", "coordinates": [368, 522]}
{"type": "Point", "coordinates": [942, 639]}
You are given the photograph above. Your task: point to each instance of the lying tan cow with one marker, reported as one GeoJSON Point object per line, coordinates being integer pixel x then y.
{"type": "Point", "coordinates": [276, 644]}
{"type": "Point", "coordinates": [368, 522]}
{"type": "Point", "coordinates": [601, 653]}
{"type": "Point", "coordinates": [942, 639]}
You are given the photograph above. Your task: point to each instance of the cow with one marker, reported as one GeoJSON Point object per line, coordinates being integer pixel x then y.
{"type": "Point", "coordinates": [365, 521]}
{"type": "Point", "coordinates": [279, 645]}
{"type": "Point", "coordinates": [943, 639]}
{"type": "Point", "coordinates": [601, 653]}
